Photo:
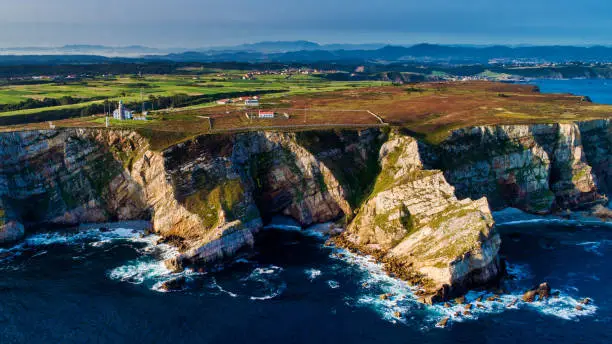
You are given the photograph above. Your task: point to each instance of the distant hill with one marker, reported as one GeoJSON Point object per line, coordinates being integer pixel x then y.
{"type": "Point", "coordinates": [309, 52]}
{"type": "Point", "coordinates": [269, 47]}
{"type": "Point", "coordinates": [291, 46]}
{"type": "Point", "coordinates": [389, 53]}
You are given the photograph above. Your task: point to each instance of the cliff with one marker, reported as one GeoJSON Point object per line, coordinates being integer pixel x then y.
{"type": "Point", "coordinates": [537, 168]}
{"type": "Point", "coordinates": [416, 225]}
{"type": "Point", "coordinates": [423, 210]}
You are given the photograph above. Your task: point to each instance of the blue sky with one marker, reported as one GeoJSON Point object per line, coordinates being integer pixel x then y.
{"type": "Point", "coordinates": [201, 23]}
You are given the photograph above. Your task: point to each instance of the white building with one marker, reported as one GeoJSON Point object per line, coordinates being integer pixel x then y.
{"type": "Point", "coordinates": [251, 102]}
{"type": "Point", "coordinates": [121, 113]}
{"type": "Point", "coordinates": [266, 114]}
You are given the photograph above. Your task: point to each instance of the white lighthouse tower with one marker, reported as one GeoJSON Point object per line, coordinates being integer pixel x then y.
{"type": "Point", "coordinates": [122, 113]}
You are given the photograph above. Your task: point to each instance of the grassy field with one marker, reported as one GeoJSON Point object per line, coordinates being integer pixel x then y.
{"type": "Point", "coordinates": [428, 110]}
{"type": "Point", "coordinates": [129, 88]}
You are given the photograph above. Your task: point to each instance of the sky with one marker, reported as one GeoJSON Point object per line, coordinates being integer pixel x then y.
{"type": "Point", "coordinates": [203, 23]}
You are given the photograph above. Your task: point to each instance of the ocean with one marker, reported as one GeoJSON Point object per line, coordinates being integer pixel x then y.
{"type": "Point", "coordinates": [103, 287]}
{"type": "Point", "coordinates": [599, 90]}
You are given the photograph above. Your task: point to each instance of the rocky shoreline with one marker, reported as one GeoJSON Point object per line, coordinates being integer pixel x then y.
{"type": "Point", "coordinates": [422, 210]}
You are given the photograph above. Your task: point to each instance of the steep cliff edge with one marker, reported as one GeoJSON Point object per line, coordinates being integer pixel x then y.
{"type": "Point", "coordinates": [415, 224]}
{"type": "Point", "coordinates": [423, 210]}
{"type": "Point", "coordinates": [537, 168]}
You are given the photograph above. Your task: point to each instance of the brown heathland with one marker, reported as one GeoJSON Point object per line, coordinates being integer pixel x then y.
{"type": "Point", "coordinates": [428, 109]}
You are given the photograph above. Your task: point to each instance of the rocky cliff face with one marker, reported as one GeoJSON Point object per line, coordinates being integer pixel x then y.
{"type": "Point", "coordinates": [536, 168]}
{"type": "Point", "coordinates": [414, 222]}
{"type": "Point", "coordinates": [65, 177]}
{"type": "Point", "coordinates": [422, 210]}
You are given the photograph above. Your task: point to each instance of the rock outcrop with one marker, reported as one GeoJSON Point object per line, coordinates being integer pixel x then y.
{"type": "Point", "coordinates": [537, 168]}
{"type": "Point", "coordinates": [414, 223]}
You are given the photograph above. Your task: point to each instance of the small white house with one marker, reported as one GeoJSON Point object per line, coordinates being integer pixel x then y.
{"type": "Point", "coordinates": [251, 102]}
{"type": "Point", "coordinates": [266, 114]}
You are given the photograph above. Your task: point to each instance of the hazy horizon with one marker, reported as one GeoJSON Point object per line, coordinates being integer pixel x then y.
{"type": "Point", "coordinates": [195, 24]}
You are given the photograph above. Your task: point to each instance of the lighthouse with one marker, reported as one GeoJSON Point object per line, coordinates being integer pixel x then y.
{"type": "Point", "coordinates": [122, 113]}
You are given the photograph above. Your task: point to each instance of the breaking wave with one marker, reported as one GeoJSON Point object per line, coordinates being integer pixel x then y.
{"type": "Point", "coordinates": [395, 300]}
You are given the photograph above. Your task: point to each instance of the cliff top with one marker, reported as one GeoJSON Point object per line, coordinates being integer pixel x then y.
{"type": "Point", "coordinates": [428, 110]}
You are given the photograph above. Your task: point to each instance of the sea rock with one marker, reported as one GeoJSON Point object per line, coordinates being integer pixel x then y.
{"type": "Point", "coordinates": [586, 301]}
{"type": "Point", "coordinates": [512, 303]}
{"type": "Point", "coordinates": [11, 231]}
{"type": "Point", "coordinates": [602, 212]}
{"type": "Point", "coordinates": [174, 284]}
{"type": "Point", "coordinates": [175, 264]}
{"type": "Point", "coordinates": [542, 292]}
{"type": "Point", "coordinates": [530, 296]}
{"type": "Point", "coordinates": [443, 323]}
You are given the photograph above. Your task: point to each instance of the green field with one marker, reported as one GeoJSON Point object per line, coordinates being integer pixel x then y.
{"type": "Point", "coordinates": [130, 88]}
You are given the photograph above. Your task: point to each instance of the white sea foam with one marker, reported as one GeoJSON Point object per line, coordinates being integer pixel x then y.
{"type": "Point", "coordinates": [333, 284]}
{"type": "Point", "coordinates": [149, 268]}
{"type": "Point", "coordinates": [284, 227]}
{"type": "Point", "coordinates": [139, 270]}
{"type": "Point", "coordinates": [312, 274]}
{"type": "Point", "coordinates": [400, 298]}
{"type": "Point", "coordinates": [594, 247]}
{"type": "Point", "coordinates": [95, 236]}
{"type": "Point", "coordinates": [277, 291]}
{"type": "Point", "coordinates": [220, 288]}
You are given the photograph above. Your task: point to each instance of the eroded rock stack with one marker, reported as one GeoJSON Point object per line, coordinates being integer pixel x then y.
{"type": "Point", "coordinates": [416, 225]}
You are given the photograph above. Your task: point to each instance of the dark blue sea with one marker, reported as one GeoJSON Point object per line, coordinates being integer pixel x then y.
{"type": "Point", "coordinates": [599, 90]}
{"type": "Point", "coordinates": [95, 287]}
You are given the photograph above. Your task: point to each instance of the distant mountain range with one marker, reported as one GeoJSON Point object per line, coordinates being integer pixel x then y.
{"type": "Point", "coordinates": [389, 53]}
{"type": "Point", "coordinates": [305, 51]}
